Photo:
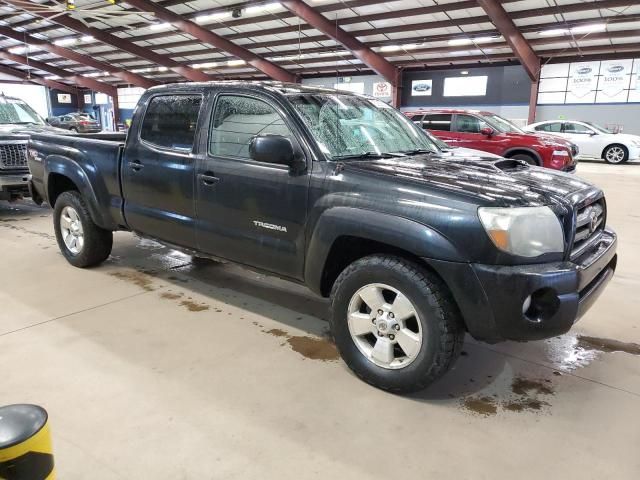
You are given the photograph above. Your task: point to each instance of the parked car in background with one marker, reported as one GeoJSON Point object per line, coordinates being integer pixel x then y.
{"type": "Point", "coordinates": [448, 150]}
{"type": "Point", "coordinates": [594, 141]}
{"type": "Point", "coordinates": [344, 194]}
{"type": "Point", "coordinates": [17, 120]}
{"type": "Point", "coordinates": [491, 133]}
{"type": "Point", "coordinates": [76, 122]}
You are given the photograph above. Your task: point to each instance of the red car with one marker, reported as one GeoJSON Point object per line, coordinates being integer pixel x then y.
{"type": "Point", "coordinates": [489, 132]}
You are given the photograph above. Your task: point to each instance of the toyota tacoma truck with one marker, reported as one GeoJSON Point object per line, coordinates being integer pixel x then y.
{"type": "Point", "coordinates": [344, 194]}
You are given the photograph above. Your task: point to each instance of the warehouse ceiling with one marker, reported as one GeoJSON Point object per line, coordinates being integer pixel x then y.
{"type": "Point", "coordinates": [142, 42]}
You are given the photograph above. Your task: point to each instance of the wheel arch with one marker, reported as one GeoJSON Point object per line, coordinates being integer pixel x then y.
{"type": "Point", "coordinates": [338, 240]}
{"type": "Point", "coordinates": [524, 150]}
{"type": "Point", "coordinates": [63, 175]}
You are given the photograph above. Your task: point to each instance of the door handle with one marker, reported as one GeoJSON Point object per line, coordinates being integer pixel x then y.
{"type": "Point", "coordinates": [136, 165]}
{"type": "Point", "coordinates": [208, 178]}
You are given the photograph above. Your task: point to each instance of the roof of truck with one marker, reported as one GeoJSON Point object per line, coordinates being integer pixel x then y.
{"type": "Point", "coordinates": [281, 87]}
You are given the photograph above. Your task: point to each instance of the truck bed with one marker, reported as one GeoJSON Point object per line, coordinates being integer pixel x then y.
{"type": "Point", "coordinates": [98, 155]}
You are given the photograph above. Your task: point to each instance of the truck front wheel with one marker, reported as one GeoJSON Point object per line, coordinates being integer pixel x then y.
{"type": "Point", "coordinates": [81, 241]}
{"type": "Point", "coordinates": [395, 323]}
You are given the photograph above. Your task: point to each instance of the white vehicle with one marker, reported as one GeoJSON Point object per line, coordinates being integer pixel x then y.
{"type": "Point", "coordinates": [594, 142]}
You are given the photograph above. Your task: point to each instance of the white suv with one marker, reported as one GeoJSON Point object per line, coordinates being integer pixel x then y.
{"type": "Point", "coordinates": [593, 141]}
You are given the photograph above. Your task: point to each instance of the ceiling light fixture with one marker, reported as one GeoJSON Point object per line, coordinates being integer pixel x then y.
{"type": "Point", "coordinates": [598, 27]}
{"type": "Point", "coordinates": [554, 32]}
{"type": "Point", "coordinates": [235, 63]}
{"type": "Point", "coordinates": [160, 26]}
{"type": "Point", "coordinates": [64, 41]}
{"type": "Point", "coordinates": [212, 17]}
{"type": "Point", "coordinates": [204, 65]}
{"type": "Point", "coordinates": [87, 38]}
{"type": "Point", "coordinates": [390, 48]}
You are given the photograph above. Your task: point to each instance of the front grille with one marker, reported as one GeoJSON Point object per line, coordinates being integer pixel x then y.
{"type": "Point", "coordinates": [589, 226]}
{"type": "Point", "coordinates": [13, 155]}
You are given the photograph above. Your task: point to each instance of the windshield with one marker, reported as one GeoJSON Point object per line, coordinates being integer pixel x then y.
{"type": "Point", "coordinates": [14, 111]}
{"type": "Point", "coordinates": [598, 128]}
{"type": "Point", "coordinates": [349, 126]}
{"type": "Point", "coordinates": [502, 124]}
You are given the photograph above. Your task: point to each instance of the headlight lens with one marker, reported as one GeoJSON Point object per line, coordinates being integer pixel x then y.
{"type": "Point", "coordinates": [523, 231]}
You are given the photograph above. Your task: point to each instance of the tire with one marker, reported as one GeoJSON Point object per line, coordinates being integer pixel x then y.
{"type": "Point", "coordinates": [73, 129]}
{"type": "Point", "coordinates": [525, 157]}
{"type": "Point", "coordinates": [96, 243]}
{"type": "Point", "coordinates": [615, 154]}
{"type": "Point", "coordinates": [436, 318]}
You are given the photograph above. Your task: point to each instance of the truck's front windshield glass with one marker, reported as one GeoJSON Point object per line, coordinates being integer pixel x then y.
{"type": "Point", "coordinates": [13, 111]}
{"type": "Point", "coordinates": [347, 126]}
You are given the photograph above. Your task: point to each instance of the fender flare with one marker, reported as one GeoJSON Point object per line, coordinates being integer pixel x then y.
{"type": "Point", "coordinates": [528, 150]}
{"type": "Point", "coordinates": [61, 165]}
{"type": "Point", "coordinates": [399, 232]}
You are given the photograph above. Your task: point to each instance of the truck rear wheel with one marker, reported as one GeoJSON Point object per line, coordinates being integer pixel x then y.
{"type": "Point", "coordinates": [81, 241]}
{"type": "Point", "coordinates": [395, 323]}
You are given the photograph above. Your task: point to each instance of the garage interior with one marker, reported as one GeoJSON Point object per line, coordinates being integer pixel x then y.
{"type": "Point", "coordinates": [154, 365]}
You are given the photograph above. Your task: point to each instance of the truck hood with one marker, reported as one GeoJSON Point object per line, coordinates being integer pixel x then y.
{"type": "Point", "coordinates": [11, 128]}
{"type": "Point", "coordinates": [486, 182]}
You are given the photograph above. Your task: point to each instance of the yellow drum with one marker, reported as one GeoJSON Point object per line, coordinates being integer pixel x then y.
{"type": "Point", "coordinates": [25, 444]}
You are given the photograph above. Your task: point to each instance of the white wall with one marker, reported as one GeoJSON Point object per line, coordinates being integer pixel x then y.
{"type": "Point", "coordinates": [34, 95]}
{"type": "Point", "coordinates": [330, 82]}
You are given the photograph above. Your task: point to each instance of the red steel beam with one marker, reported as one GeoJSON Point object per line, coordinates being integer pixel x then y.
{"type": "Point", "coordinates": [131, 78]}
{"type": "Point", "coordinates": [142, 52]}
{"type": "Point", "coordinates": [78, 79]}
{"type": "Point", "coordinates": [36, 79]}
{"type": "Point", "coordinates": [519, 45]}
{"type": "Point", "coordinates": [367, 56]}
{"type": "Point", "coordinates": [187, 26]}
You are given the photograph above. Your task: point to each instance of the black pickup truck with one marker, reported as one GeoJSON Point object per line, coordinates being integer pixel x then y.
{"type": "Point", "coordinates": [342, 193]}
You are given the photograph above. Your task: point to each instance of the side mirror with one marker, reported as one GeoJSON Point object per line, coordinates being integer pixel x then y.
{"type": "Point", "coordinates": [488, 131]}
{"type": "Point", "coordinates": [276, 149]}
{"type": "Point", "coordinates": [593, 132]}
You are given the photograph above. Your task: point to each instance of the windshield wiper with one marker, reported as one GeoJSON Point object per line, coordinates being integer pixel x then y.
{"type": "Point", "coordinates": [416, 151]}
{"type": "Point", "coordinates": [25, 123]}
{"type": "Point", "coordinates": [368, 155]}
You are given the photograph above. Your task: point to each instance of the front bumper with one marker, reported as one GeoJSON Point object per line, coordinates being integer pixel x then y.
{"type": "Point", "coordinates": [14, 186]}
{"type": "Point", "coordinates": [493, 298]}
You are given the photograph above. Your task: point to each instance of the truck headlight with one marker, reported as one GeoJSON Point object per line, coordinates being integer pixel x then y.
{"type": "Point", "coordinates": [523, 231]}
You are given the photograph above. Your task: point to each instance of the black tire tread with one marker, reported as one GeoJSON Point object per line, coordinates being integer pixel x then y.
{"type": "Point", "coordinates": [437, 294]}
{"type": "Point", "coordinates": [98, 241]}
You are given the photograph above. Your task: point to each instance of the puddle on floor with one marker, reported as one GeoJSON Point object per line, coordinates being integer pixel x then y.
{"type": "Point", "coordinates": [606, 345]}
{"type": "Point", "coordinates": [313, 348]}
{"type": "Point", "coordinates": [525, 395]}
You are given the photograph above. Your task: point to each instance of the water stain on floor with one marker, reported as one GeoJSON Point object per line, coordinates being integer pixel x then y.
{"type": "Point", "coordinates": [313, 348]}
{"type": "Point", "coordinates": [607, 345]}
{"type": "Point", "coordinates": [170, 295]}
{"type": "Point", "coordinates": [525, 395]}
{"type": "Point", "coordinates": [193, 306]}
{"type": "Point", "coordinates": [137, 278]}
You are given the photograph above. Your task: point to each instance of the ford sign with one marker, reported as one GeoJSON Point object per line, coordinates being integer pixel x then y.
{"type": "Point", "coordinates": [584, 70]}
{"type": "Point", "coordinates": [615, 68]}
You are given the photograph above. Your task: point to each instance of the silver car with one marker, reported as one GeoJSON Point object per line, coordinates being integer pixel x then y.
{"type": "Point", "coordinates": [76, 122]}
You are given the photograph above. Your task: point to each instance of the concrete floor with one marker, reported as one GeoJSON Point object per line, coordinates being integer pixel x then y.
{"type": "Point", "coordinates": [151, 367]}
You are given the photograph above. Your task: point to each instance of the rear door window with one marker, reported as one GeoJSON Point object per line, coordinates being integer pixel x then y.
{"type": "Point", "coordinates": [170, 121]}
{"type": "Point", "coordinates": [437, 121]}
